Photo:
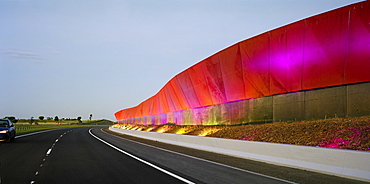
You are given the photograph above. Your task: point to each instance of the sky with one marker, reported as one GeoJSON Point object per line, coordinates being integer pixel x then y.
{"type": "Point", "coordinates": [74, 58]}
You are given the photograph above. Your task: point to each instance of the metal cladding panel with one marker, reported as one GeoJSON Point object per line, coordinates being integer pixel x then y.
{"type": "Point", "coordinates": [155, 105]}
{"type": "Point", "coordinates": [130, 112]}
{"type": "Point", "coordinates": [200, 84]}
{"type": "Point", "coordinates": [358, 59]}
{"type": "Point", "coordinates": [254, 54]}
{"type": "Point", "coordinates": [119, 115]}
{"type": "Point", "coordinates": [175, 100]}
{"type": "Point", "coordinates": [180, 94]}
{"type": "Point", "coordinates": [212, 72]}
{"type": "Point", "coordinates": [232, 73]}
{"type": "Point", "coordinates": [169, 98]}
{"type": "Point", "coordinates": [188, 89]}
{"type": "Point", "coordinates": [286, 58]}
{"type": "Point", "coordinates": [324, 49]}
{"type": "Point", "coordinates": [150, 105]}
{"type": "Point", "coordinates": [138, 110]}
{"type": "Point", "coordinates": [163, 103]}
{"type": "Point", "coordinates": [146, 107]}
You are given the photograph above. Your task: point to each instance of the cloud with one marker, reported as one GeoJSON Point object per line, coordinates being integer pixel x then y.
{"type": "Point", "coordinates": [21, 54]}
{"type": "Point", "coordinates": [57, 52]}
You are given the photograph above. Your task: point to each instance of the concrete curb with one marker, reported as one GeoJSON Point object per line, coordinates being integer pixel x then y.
{"type": "Point", "coordinates": [343, 163]}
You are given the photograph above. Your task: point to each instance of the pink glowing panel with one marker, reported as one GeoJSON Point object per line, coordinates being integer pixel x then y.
{"type": "Point", "coordinates": [213, 75]}
{"type": "Point", "coordinates": [254, 55]}
{"type": "Point", "coordinates": [199, 82]}
{"type": "Point", "coordinates": [358, 59]}
{"type": "Point", "coordinates": [232, 73]}
{"type": "Point", "coordinates": [188, 89]}
{"type": "Point", "coordinates": [286, 58]}
{"type": "Point", "coordinates": [324, 49]}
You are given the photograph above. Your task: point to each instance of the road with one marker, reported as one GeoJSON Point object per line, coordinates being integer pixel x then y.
{"type": "Point", "coordinates": [90, 155]}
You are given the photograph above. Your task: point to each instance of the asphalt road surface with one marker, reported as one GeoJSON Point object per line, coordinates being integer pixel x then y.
{"type": "Point", "coordinates": [89, 155]}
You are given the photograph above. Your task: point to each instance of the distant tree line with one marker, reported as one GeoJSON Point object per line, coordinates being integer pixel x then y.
{"type": "Point", "coordinates": [42, 118]}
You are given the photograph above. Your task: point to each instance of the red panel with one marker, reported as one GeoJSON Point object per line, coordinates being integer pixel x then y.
{"type": "Point", "coordinates": [213, 76]}
{"type": "Point", "coordinates": [174, 97]}
{"type": "Point", "coordinates": [150, 105]}
{"type": "Point", "coordinates": [163, 104]}
{"type": "Point", "coordinates": [232, 73]}
{"type": "Point", "coordinates": [155, 105]}
{"type": "Point", "coordinates": [179, 93]}
{"type": "Point", "coordinates": [169, 98]}
{"type": "Point", "coordinates": [358, 59]}
{"type": "Point", "coordinates": [286, 58]}
{"type": "Point", "coordinates": [119, 115]}
{"type": "Point", "coordinates": [324, 49]}
{"type": "Point", "coordinates": [254, 53]}
{"type": "Point", "coordinates": [138, 110]}
{"type": "Point", "coordinates": [200, 84]}
{"type": "Point", "coordinates": [188, 89]}
{"type": "Point", "coordinates": [145, 105]}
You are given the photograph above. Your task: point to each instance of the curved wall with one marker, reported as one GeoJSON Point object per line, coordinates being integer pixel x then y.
{"type": "Point", "coordinates": [330, 49]}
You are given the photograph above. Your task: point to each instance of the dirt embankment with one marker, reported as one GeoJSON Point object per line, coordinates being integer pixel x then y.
{"type": "Point", "coordinates": [342, 133]}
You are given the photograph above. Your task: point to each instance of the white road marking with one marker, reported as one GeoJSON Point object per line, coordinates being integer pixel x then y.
{"type": "Point", "coordinates": [33, 133]}
{"type": "Point", "coordinates": [143, 161]}
{"type": "Point", "coordinates": [49, 151]}
{"type": "Point", "coordinates": [251, 172]}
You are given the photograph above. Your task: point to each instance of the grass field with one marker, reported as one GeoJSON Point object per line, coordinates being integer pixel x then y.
{"type": "Point", "coordinates": [23, 125]}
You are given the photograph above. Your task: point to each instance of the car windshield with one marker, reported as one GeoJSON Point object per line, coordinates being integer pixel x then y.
{"type": "Point", "coordinates": [4, 124]}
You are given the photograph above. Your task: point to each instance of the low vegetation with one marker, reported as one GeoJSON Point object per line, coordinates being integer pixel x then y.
{"type": "Point", "coordinates": [23, 125]}
{"type": "Point", "coordinates": [341, 133]}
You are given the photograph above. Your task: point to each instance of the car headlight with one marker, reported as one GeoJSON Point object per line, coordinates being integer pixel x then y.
{"type": "Point", "coordinates": [4, 131]}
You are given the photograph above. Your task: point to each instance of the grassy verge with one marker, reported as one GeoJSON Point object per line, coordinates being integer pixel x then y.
{"type": "Point", "coordinates": [341, 133]}
{"type": "Point", "coordinates": [23, 126]}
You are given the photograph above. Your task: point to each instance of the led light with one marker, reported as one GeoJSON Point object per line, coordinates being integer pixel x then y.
{"type": "Point", "coordinates": [4, 131]}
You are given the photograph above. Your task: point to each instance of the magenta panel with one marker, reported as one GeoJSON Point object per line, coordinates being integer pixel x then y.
{"type": "Point", "coordinates": [286, 58]}
{"type": "Point", "coordinates": [358, 59]}
{"type": "Point", "coordinates": [232, 73]}
{"type": "Point", "coordinates": [254, 55]}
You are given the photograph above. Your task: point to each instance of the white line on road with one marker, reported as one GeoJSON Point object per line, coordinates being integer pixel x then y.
{"type": "Point", "coordinates": [48, 153]}
{"type": "Point", "coordinates": [141, 160]}
{"type": "Point", "coordinates": [201, 159]}
{"type": "Point", "coordinates": [25, 135]}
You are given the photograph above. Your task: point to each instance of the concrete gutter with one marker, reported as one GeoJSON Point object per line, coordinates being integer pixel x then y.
{"type": "Point", "coordinates": [343, 163]}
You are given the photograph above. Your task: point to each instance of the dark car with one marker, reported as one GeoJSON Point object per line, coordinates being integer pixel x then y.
{"type": "Point", "coordinates": [7, 130]}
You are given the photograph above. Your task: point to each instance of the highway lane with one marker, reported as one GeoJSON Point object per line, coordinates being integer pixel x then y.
{"type": "Point", "coordinates": [81, 156]}
{"type": "Point", "coordinates": [72, 156]}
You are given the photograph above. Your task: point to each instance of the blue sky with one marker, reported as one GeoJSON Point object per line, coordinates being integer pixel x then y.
{"type": "Point", "coordinates": [74, 58]}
